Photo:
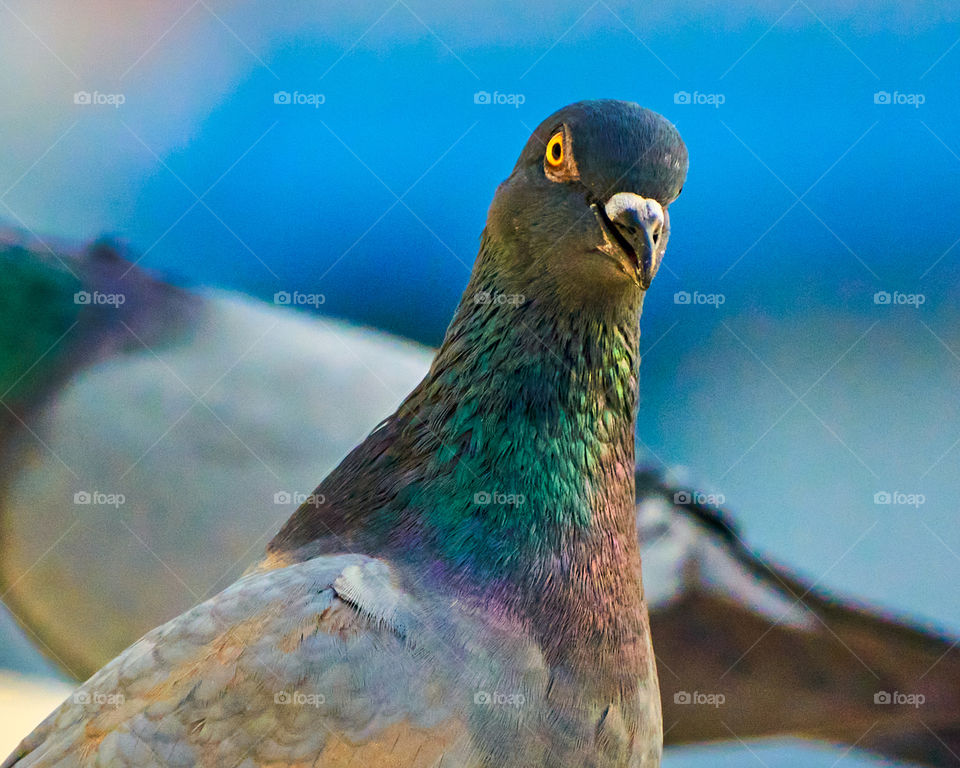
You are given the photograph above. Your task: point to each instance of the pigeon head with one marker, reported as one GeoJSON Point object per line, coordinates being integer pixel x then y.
{"type": "Point", "coordinates": [583, 216]}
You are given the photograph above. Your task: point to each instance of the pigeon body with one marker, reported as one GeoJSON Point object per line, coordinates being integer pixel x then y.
{"type": "Point", "coordinates": [464, 589]}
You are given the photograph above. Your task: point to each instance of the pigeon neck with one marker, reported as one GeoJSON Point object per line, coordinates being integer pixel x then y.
{"type": "Point", "coordinates": [525, 479]}
{"type": "Point", "coordinates": [529, 417]}
{"type": "Point", "coordinates": [508, 471]}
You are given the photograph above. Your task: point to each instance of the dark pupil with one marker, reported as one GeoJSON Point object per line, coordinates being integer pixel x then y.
{"type": "Point", "coordinates": [556, 151]}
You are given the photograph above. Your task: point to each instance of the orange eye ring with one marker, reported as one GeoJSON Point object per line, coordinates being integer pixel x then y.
{"type": "Point", "coordinates": [555, 149]}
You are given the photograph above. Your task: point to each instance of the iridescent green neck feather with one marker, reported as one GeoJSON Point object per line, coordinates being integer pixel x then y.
{"type": "Point", "coordinates": [517, 445]}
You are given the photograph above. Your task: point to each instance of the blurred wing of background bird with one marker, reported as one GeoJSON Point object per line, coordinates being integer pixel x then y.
{"type": "Point", "coordinates": [196, 418]}
{"type": "Point", "coordinates": [151, 447]}
{"type": "Point", "coordinates": [786, 657]}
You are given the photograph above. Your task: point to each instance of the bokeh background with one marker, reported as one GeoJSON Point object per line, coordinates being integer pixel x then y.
{"type": "Point", "coordinates": [817, 361]}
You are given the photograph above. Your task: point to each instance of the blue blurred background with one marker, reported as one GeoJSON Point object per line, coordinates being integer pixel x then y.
{"type": "Point", "coordinates": [823, 138]}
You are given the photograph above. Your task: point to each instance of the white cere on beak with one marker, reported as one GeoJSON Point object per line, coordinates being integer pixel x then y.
{"type": "Point", "coordinates": [626, 208]}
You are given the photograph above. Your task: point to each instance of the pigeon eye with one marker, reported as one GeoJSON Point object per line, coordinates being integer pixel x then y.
{"type": "Point", "coordinates": [555, 149]}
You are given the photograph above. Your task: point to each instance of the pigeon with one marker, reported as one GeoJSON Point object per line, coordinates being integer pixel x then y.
{"type": "Point", "coordinates": [89, 599]}
{"type": "Point", "coordinates": [465, 587]}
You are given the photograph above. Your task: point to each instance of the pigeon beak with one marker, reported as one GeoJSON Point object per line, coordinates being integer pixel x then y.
{"type": "Point", "coordinates": [636, 224]}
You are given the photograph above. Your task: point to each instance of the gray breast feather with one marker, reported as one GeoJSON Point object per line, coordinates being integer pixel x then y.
{"type": "Point", "coordinates": [277, 667]}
